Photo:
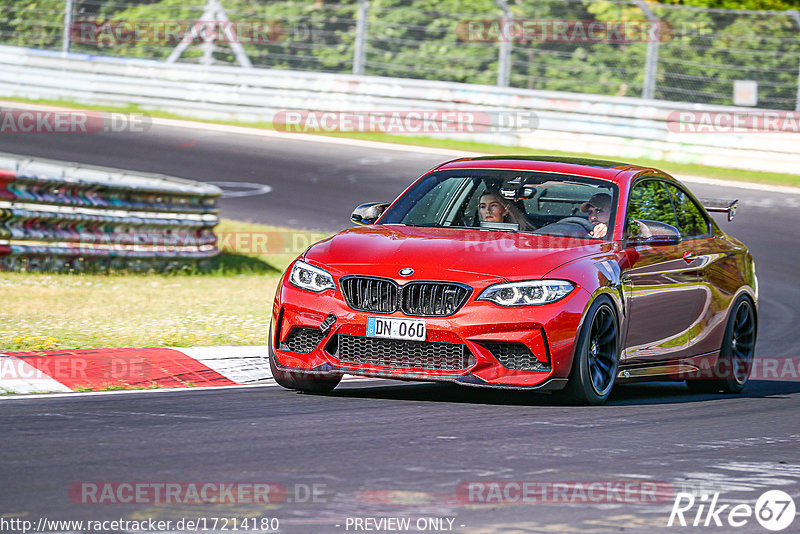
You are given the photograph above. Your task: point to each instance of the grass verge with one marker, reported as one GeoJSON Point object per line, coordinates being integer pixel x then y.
{"type": "Point", "coordinates": [228, 305]}
{"type": "Point", "coordinates": [467, 146]}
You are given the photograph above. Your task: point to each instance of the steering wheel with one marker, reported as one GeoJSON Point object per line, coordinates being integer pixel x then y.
{"type": "Point", "coordinates": [588, 226]}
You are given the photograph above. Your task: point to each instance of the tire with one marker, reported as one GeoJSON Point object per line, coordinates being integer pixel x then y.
{"type": "Point", "coordinates": [594, 366]}
{"type": "Point", "coordinates": [735, 354]}
{"type": "Point", "coordinates": [299, 380]}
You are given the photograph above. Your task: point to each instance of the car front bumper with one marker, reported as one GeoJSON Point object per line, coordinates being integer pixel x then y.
{"type": "Point", "coordinates": [518, 348]}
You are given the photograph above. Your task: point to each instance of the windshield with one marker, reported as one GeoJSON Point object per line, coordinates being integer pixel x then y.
{"type": "Point", "coordinates": [514, 201]}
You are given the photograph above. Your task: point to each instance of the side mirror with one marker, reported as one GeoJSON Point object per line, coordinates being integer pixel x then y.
{"type": "Point", "coordinates": [651, 233]}
{"type": "Point", "coordinates": [724, 206]}
{"type": "Point", "coordinates": [368, 213]}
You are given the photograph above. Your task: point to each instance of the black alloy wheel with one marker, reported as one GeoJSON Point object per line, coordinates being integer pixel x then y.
{"type": "Point", "coordinates": [602, 350]}
{"type": "Point", "coordinates": [594, 366]}
{"type": "Point", "coordinates": [736, 354]}
{"type": "Point", "coordinates": [742, 345]}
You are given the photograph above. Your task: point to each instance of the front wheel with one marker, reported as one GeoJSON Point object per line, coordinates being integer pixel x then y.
{"type": "Point", "coordinates": [594, 366]}
{"type": "Point", "coordinates": [299, 380]}
{"type": "Point", "coordinates": [736, 353]}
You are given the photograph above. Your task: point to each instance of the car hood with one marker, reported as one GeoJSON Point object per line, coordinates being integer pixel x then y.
{"type": "Point", "coordinates": [457, 254]}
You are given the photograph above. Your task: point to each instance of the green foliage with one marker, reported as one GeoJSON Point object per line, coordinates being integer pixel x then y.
{"type": "Point", "coordinates": [653, 200]}
{"type": "Point", "coordinates": [691, 221]}
{"type": "Point", "coordinates": [297, 35]}
{"type": "Point", "coordinates": [650, 201]}
{"type": "Point", "coordinates": [709, 51]}
{"type": "Point", "coordinates": [700, 53]}
{"type": "Point", "coordinates": [423, 36]}
{"type": "Point", "coordinates": [32, 23]}
{"type": "Point", "coordinates": [737, 4]}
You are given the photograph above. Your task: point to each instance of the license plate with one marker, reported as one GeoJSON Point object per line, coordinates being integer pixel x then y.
{"type": "Point", "coordinates": [395, 328]}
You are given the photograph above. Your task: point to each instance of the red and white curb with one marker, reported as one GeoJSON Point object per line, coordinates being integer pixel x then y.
{"type": "Point", "coordinates": [146, 368]}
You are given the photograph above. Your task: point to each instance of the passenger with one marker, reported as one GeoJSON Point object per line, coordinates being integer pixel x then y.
{"type": "Point", "coordinates": [598, 208]}
{"type": "Point", "coordinates": [494, 207]}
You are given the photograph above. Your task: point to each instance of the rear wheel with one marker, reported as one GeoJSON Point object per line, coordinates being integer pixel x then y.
{"type": "Point", "coordinates": [736, 353]}
{"type": "Point", "coordinates": [594, 367]}
{"type": "Point", "coordinates": [299, 380]}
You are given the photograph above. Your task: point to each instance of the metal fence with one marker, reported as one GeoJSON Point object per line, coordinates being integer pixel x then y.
{"type": "Point", "coordinates": [619, 47]}
{"type": "Point", "coordinates": [58, 216]}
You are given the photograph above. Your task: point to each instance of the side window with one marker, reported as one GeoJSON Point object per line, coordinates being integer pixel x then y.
{"type": "Point", "coordinates": [650, 201]}
{"type": "Point", "coordinates": [691, 221]}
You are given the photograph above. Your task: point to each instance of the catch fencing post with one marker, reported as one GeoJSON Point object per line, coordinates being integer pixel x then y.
{"type": "Point", "coordinates": [796, 16]}
{"type": "Point", "coordinates": [360, 46]}
{"type": "Point", "coordinates": [504, 54]}
{"type": "Point", "coordinates": [651, 59]}
{"type": "Point", "coordinates": [66, 38]}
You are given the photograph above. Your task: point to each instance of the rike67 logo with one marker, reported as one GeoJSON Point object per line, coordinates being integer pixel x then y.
{"type": "Point", "coordinates": [774, 510]}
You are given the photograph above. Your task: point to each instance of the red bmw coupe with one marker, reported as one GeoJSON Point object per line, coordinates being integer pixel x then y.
{"type": "Point", "coordinates": [527, 273]}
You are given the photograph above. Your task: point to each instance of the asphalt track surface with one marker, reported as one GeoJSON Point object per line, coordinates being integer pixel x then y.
{"type": "Point", "coordinates": [379, 449]}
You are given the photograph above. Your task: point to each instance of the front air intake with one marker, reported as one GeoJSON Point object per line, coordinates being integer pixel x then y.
{"type": "Point", "coordinates": [302, 339]}
{"type": "Point", "coordinates": [515, 356]}
{"type": "Point", "coordinates": [401, 354]}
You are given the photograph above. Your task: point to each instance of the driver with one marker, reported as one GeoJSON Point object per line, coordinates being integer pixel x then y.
{"type": "Point", "coordinates": [598, 208]}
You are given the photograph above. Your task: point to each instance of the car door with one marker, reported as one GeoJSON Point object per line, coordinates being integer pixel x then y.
{"type": "Point", "coordinates": [664, 297]}
{"type": "Point", "coordinates": [703, 249]}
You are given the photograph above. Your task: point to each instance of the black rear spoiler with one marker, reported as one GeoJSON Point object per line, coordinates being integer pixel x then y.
{"type": "Point", "coordinates": [722, 206]}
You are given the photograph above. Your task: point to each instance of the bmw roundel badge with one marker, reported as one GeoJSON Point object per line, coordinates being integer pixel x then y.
{"type": "Point", "coordinates": [407, 271]}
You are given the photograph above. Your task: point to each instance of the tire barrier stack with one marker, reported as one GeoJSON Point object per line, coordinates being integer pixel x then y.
{"type": "Point", "coordinates": [64, 217]}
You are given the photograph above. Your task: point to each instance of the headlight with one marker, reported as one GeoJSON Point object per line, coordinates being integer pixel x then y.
{"type": "Point", "coordinates": [531, 293]}
{"type": "Point", "coordinates": [310, 278]}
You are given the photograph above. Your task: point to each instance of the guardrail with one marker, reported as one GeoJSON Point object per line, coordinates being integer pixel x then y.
{"type": "Point", "coordinates": [58, 216]}
{"type": "Point", "coordinates": [620, 127]}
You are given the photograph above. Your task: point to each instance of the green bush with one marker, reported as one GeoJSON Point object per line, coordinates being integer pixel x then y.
{"type": "Point", "coordinates": [701, 54]}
